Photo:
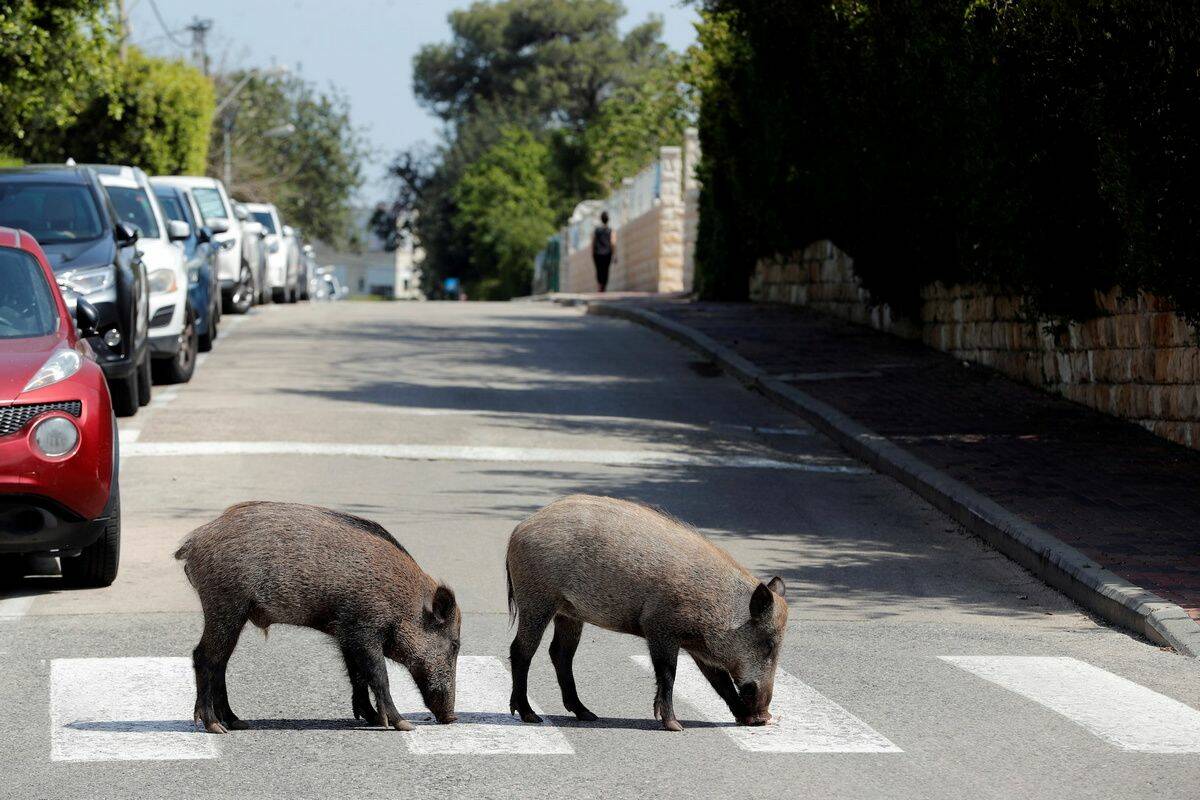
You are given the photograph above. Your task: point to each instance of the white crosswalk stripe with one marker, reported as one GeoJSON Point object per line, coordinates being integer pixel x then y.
{"type": "Point", "coordinates": [1117, 710]}
{"type": "Point", "coordinates": [124, 709]}
{"type": "Point", "coordinates": [485, 726]}
{"type": "Point", "coordinates": [805, 721]}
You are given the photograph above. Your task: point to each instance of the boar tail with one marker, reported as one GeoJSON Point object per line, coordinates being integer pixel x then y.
{"type": "Point", "coordinates": [512, 603]}
{"type": "Point", "coordinates": [185, 550]}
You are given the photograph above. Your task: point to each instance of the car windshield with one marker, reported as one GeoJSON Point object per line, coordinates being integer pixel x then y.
{"type": "Point", "coordinates": [52, 212]}
{"type": "Point", "coordinates": [265, 218]}
{"type": "Point", "coordinates": [26, 306]}
{"type": "Point", "coordinates": [210, 202]}
{"type": "Point", "coordinates": [133, 207]}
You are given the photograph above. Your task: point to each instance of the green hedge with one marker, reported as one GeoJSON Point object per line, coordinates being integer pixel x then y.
{"type": "Point", "coordinates": [158, 118]}
{"type": "Point", "coordinates": [1048, 145]}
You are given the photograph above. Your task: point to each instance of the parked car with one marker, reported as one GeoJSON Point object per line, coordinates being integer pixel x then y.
{"type": "Point", "coordinates": [173, 340]}
{"type": "Point", "coordinates": [283, 254]}
{"type": "Point", "coordinates": [200, 253]}
{"type": "Point", "coordinates": [254, 250]}
{"type": "Point", "coordinates": [59, 493]}
{"type": "Point", "coordinates": [234, 272]}
{"type": "Point", "coordinates": [93, 256]}
{"type": "Point", "coordinates": [308, 269]}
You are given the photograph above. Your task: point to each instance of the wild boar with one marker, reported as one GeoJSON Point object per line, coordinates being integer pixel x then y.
{"type": "Point", "coordinates": [291, 564]}
{"type": "Point", "coordinates": [632, 569]}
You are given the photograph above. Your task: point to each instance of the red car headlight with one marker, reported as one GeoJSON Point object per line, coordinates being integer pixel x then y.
{"type": "Point", "coordinates": [55, 436]}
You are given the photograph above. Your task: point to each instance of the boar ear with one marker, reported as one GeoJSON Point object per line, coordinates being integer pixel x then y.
{"type": "Point", "coordinates": [761, 601]}
{"type": "Point", "coordinates": [441, 607]}
{"type": "Point", "coordinates": [776, 586]}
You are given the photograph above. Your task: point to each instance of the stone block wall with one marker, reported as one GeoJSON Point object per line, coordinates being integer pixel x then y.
{"type": "Point", "coordinates": [653, 251]}
{"type": "Point", "coordinates": [1138, 360]}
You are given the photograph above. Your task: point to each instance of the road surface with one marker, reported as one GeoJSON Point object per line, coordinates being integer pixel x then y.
{"type": "Point", "coordinates": [917, 663]}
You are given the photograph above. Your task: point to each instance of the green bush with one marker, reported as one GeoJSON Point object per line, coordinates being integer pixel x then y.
{"type": "Point", "coordinates": [158, 118]}
{"type": "Point", "coordinates": [1049, 145]}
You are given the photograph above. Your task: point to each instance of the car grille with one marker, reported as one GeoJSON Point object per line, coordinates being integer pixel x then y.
{"type": "Point", "coordinates": [13, 418]}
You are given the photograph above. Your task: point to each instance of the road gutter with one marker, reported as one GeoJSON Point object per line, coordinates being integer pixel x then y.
{"type": "Point", "coordinates": [1100, 591]}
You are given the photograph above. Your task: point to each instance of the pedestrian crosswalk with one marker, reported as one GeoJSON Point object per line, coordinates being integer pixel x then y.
{"type": "Point", "coordinates": [139, 709]}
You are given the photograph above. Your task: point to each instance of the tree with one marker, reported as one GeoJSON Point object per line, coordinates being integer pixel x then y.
{"type": "Point", "coordinates": [503, 208]}
{"type": "Point", "coordinates": [158, 117]}
{"type": "Point", "coordinates": [56, 56]}
{"type": "Point", "coordinates": [309, 173]}
{"type": "Point", "coordinates": [547, 67]}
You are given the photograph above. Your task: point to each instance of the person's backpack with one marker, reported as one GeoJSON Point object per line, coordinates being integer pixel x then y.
{"type": "Point", "coordinates": [602, 241]}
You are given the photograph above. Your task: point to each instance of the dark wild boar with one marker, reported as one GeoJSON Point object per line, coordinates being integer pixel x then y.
{"type": "Point", "coordinates": [631, 569]}
{"type": "Point", "coordinates": [291, 564]}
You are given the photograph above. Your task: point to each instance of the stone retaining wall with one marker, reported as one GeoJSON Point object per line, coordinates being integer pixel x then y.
{"type": "Point", "coordinates": [1138, 360]}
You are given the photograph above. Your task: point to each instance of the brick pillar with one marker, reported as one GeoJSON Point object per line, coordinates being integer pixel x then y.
{"type": "Point", "coordinates": [691, 205]}
{"type": "Point", "coordinates": [671, 222]}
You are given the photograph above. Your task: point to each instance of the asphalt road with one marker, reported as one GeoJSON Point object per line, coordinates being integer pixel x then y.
{"type": "Point", "coordinates": [918, 664]}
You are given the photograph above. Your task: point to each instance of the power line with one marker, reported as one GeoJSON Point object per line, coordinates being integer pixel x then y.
{"type": "Point", "coordinates": [163, 24]}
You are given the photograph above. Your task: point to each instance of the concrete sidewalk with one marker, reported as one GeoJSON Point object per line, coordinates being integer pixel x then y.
{"type": "Point", "coordinates": [1098, 507]}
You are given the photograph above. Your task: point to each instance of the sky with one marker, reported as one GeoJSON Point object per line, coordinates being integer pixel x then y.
{"type": "Point", "coordinates": [362, 47]}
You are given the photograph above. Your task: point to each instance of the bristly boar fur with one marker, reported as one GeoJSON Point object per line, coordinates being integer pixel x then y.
{"type": "Point", "coordinates": [632, 569]}
{"type": "Point", "coordinates": [286, 563]}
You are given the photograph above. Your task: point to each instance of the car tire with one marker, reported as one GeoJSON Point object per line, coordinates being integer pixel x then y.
{"type": "Point", "coordinates": [180, 367]}
{"type": "Point", "coordinates": [145, 380]}
{"type": "Point", "coordinates": [204, 342]}
{"type": "Point", "coordinates": [96, 566]}
{"type": "Point", "coordinates": [124, 394]}
{"type": "Point", "coordinates": [242, 296]}
{"type": "Point", "coordinates": [279, 295]}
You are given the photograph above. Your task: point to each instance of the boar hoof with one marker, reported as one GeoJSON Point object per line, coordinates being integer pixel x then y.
{"type": "Point", "coordinates": [529, 716]}
{"type": "Point", "coordinates": [583, 715]}
{"type": "Point", "coordinates": [402, 724]}
{"type": "Point", "coordinates": [672, 725]}
{"type": "Point", "coordinates": [215, 727]}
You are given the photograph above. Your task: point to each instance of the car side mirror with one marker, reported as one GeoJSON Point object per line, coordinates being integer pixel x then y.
{"type": "Point", "coordinates": [178, 230]}
{"type": "Point", "coordinates": [240, 212]}
{"type": "Point", "coordinates": [288, 231]}
{"type": "Point", "coordinates": [87, 318]}
{"type": "Point", "coordinates": [218, 225]}
{"type": "Point", "coordinates": [125, 234]}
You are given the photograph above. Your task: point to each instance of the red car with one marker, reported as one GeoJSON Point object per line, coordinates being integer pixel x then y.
{"type": "Point", "coordinates": [58, 437]}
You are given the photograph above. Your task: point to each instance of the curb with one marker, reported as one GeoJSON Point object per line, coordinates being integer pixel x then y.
{"type": "Point", "coordinates": [1100, 591]}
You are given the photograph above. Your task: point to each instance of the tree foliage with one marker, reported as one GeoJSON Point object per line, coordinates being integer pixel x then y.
{"type": "Point", "coordinates": [311, 172]}
{"type": "Point", "coordinates": [503, 208]}
{"type": "Point", "coordinates": [56, 56]}
{"type": "Point", "coordinates": [158, 117]}
{"type": "Point", "coordinates": [1050, 145]}
{"type": "Point", "coordinates": [556, 69]}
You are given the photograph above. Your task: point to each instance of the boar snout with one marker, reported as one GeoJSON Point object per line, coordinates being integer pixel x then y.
{"type": "Point", "coordinates": [755, 702]}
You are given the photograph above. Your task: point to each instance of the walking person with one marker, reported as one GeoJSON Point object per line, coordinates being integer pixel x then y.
{"type": "Point", "coordinates": [603, 250]}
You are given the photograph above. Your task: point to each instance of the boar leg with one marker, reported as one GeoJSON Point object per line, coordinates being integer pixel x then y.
{"type": "Point", "coordinates": [360, 701]}
{"type": "Point", "coordinates": [562, 652]}
{"type": "Point", "coordinates": [664, 655]}
{"type": "Point", "coordinates": [723, 684]}
{"type": "Point", "coordinates": [367, 655]}
{"type": "Point", "coordinates": [209, 660]}
{"type": "Point", "coordinates": [530, 627]}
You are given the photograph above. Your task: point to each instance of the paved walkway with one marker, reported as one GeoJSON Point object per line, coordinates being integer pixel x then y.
{"type": "Point", "coordinates": [1126, 498]}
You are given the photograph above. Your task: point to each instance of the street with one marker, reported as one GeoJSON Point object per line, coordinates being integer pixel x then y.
{"type": "Point", "coordinates": [917, 663]}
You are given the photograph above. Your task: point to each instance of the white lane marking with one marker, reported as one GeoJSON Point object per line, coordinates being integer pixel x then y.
{"type": "Point", "coordinates": [424, 452]}
{"type": "Point", "coordinates": [1117, 710]}
{"type": "Point", "coordinates": [164, 396]}
{"type": "Point", "coordinates": [128, 435]}
{"type": "Point", "coordinates": [804, 720]}
{"type": "Point", "coordinates": [124, 709]}
{"type": "Point", "coordinates": [484, 726]}
{"type": "Point", "coordinates": [12, 608]}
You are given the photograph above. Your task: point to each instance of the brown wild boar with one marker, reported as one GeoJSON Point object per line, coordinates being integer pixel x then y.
{"type": "Point", "coordinates": [291, 564]}
{"type": "Point", "coordinates": [631, 569]}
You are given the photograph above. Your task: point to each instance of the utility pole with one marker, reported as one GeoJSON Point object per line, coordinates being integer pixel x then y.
{"type": "Point", "coordinates": [199, 30]}
{"type": "Point", "coordinates": [123, 27]}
